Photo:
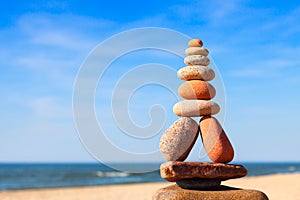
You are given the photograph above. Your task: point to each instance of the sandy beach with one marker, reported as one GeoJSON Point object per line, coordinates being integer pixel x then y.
{"type": "Point", "coordinates": [277, 187]}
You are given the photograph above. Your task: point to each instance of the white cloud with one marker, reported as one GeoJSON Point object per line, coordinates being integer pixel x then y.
{"type": "Point", "coordinates": [247, 73]}
{"type": "Point", "coordinates": [267, 68]}
{"type": "Point", "coordinates": [281, 63]}
{"type": "Point", "coordinates": [69, 32]}
{"type": "Point", "coordinates": [285, 23]}
{"type": "Point", "coordinates": [49, 108]}
{"type": "Point", "coordinates": [208, 13]}
{"type": "Point", "coordinates": [160, 20]}
{"type": "Point", "coordinates": [50, 4]}
{"type": "Point", "coordinates": [50, 47]}
{"type": "Point", "coordinates": [42, 61]}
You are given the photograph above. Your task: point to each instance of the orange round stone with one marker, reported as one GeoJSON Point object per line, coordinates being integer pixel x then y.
{"type": "Point", "coordinates": [215, 140]}
{"type": "Point", "coordinates": [195, 43]}
{"type": "Point", "coordinates": [197, 89]}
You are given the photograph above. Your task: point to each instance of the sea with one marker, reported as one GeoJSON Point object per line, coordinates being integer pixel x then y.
{"type": "Point", "coordinates": [15, 176]}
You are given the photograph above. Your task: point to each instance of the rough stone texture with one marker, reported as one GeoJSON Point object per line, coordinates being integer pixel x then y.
{"type": "Point", "coordinates": [196, 51]}
{"type": "Point", "coordinates": [196, 89]}
{"type": "Point", "coordinates": [175, 170]}
{"type": "Point", "coordinates": [215, 141]}
{"type": "Point", "coordinates": [178, 140]}
{"type": "Point", "coordinates": [195, 108]}
{"type": "Point", "coordinates": [174, 192]}
{"type": "Point", "coordinates": [196, 60]}
{"type": "Point", "coordinates": [195, 43]}
{"type": "Point", "coordinates": [198, 183]}
{"type": "Point", "coordinates": [196, 72]}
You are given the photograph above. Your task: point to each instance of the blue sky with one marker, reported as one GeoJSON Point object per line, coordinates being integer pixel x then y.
{"type": "Point", "coordinates": [255, 45]}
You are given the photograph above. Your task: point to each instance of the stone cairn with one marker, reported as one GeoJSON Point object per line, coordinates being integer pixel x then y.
{"type": "Point", "coordinates": [199, 180]}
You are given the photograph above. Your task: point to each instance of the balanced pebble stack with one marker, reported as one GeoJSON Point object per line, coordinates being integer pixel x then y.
{"type": "Point", "coordinates": [199, 180]}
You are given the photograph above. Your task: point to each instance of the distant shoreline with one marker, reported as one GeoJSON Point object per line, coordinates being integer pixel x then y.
{"type": "Point", "coordinates": [64, 175]}
{"type": "Point", "coordinates": [162, 181]}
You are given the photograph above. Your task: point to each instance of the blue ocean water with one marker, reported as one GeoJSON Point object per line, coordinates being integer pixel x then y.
{"type": "Point", "coordinates": [26, 176]}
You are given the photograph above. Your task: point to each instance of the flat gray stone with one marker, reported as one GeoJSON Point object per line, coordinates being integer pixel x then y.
{"type": "Point", "coordinates": [198, 183]}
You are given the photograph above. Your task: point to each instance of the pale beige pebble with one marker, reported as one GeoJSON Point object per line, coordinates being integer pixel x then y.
{"type": "Point", "coordinates": [196, 51]}
{"type": "Point", "coordinates": [195, 108]}
{"type": "Point", "coordinates": [178, 140]}
{"type": "Point", "coordinates": [196, 72]}
{"type": "Point", "coordinates": [195, 43]}
{"type": "Point", "coordinates": [196, 60]}
{"type": "Point", "coordinates": [215, 140]}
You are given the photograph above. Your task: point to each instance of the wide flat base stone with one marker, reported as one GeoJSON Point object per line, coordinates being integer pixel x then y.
{"type": "Point", "coordinates": [176, 170]}
{"type": "Point", "coordinates": [174, 192]}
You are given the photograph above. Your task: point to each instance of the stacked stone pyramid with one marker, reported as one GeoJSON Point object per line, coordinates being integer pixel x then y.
{"type": "Point", "coordinates": [199, 180]}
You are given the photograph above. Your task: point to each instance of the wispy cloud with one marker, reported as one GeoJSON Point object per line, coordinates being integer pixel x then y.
{"type": "Point", "coordinates": [51, 4]}
{"type": "Point", "coordinates": [49, 108]}
{"type": "Point", "coordinates": [250, 73]}
{"type": "Point", "coordinates": [50, 47]}
{"type": "Point", "coordinates": [285, 23]}
{"type": "Point", "coordinates": [62, 31]}
{"type": "Point", "coordinates": [282, 63]}
{"type": "Point", "coordinates": [209, 14]}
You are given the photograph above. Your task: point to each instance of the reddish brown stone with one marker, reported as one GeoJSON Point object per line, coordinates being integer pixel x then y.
{"type": "Point", "coordinates": [176, 170]}
{"type": "Point", "coordinates": [197, 89]}
{"type": "Point", "coordinates": [174, 192]}
{"type": "Point", "coordinates": [215, 141]}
